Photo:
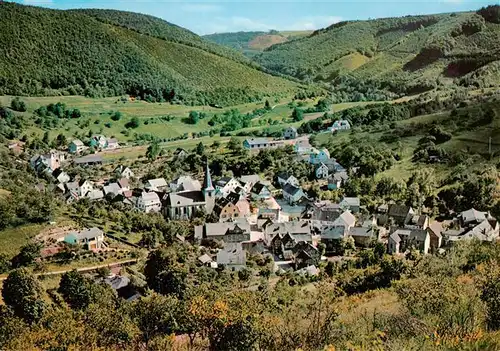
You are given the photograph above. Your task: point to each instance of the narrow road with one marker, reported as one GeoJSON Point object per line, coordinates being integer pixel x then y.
{"type": "Point", "coordinates": [83, 269]}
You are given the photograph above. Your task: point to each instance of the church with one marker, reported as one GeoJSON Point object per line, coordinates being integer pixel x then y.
{"type": "Point", "coordinates": [185, 204]}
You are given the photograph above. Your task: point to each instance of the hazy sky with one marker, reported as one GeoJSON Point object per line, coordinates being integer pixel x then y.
{"type": "Point", "coordinates": [205, 17]}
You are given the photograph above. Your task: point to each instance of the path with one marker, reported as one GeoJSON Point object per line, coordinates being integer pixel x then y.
{"type": "Point", "coordinates": [84, 269]}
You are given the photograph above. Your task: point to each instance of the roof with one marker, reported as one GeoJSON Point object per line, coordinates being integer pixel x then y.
{"type": "Point", "coordinates": [78, 142]}
{"type": "Point", "coordinates": [291, 189]}
{"type": "Point", "coordinates": [151, 196]}
{"type": "Point", "coordinates": [437, 228]}
{"type": "Point", "coordinates": [419, 220]}
{"type": "Point", "coordinates": [419, 235]}
{"type": "Point", "coordinates": [113, 188]}
{"type": "Point", "coordinates": [185, 198]}
{"type": "Point", "coordinates": [340, 176]}
{"type": "Point", "coordinates": [256, 141]}
{"type": "Point", "coordinates": [88, 159]}
{"type": "Point", "coordinates": [284, 175]}
{"type": "Point", "coordinates": [218, 229]}
{"type": "Point", "coordinates": [258, 187]}
{"type": "Point", "coordinates": [351, 201]}
{"type": "Point", "coordinates": [473, 215]}
{"type": "Point", "coordinates": [346, 219]}
{"type": "Point", "coordinates": [207, 182]}
{"type": "Point", "coordinates": [231, 254]}
{"type": "Point", "coordinates": [95, 194]}
{"type": "Point", "coordinates": [88, 233]}
{"type": "Point", "coordinates": [223, 181]}
{"type": "Point", "coordinates": [117, 281]}
{"type": "Point", "coordinates": [333, 232]}
{"type": "Point", "coordinates": [205, 259]}
{"type": "Point", "coordinates": [399, 210]}
{"type": "Point", "coordinates": [395, 237]}
{"type": "Point", "coordinates": [361, 231]}
{"type": "Point", "coordinates": [250, 178]}
{"type": "Point", "coordinates": [293, 228]}
{"type": "Point", "coordinates": [157, 183]}
{"type": "Point", "coordinates": [292, 129]}
{"type": "Point", "coordinates": [112, 141]}
{"type": "Point", "coordinates": [186, 183]}
{"type": "Point", "coordinates": [123, 183]}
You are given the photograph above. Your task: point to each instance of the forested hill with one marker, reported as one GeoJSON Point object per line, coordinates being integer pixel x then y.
{"type": "Point", "coordinates": [45, 52]}
{"type": "Point", "coordinates": [407, 54]}
{"type": "Point", "coordinates": [251, 43]}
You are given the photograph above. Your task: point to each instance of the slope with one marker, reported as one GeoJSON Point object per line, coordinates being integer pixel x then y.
{"type": "Point", "coordinates": [407, 53]}
{"type": "Point", "coordinates": [47, 52]}
{"type": "Point", "coordinates": [252, 43]}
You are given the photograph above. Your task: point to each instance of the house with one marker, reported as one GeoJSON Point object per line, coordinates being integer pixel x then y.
{"type": "Point", "coordinates": [159, 184]}
{"type": "Point", "coordinates": [322, 157]}
{"type": "Point", "coordinates": [205, 260]}
{"type": "Point", "coordinates": [435, 229]}
{"type": "Point", "coordinates": [231, 207]}
{"type": "Point", "coordinates": [228, 232]}
{"type": "Point", "coordinates": [124, 184]}
{"type": "Point", "coordinates": [340, 125]}
{"type": "Point", "coordinates": [286, 178]}
{"type": "Point", "coordinates": [60, 176]}
{"type": "Point", "coordinates": [185, 204]}
{"type": "Point", "coordinates": [180, 154]}
{"type": "Point", "coordinates": [185, 183]}
{"type": "Point", "coordinates": [76, 147]}
{"type": "Point", "coordinates": [81, 188]}
{"type": "Point", "coordinates": [290, 133]}
{"type": "Point", "coordinates": [47, 163]}
{"type": "Point", "coordinates": [406, 239]}
{"type": "Point", "coordinates": [322, 214]}
{"type": "Point", "coordinates": [89, 238]}
{"type": "Point", "coordinates": [293, 194]}
{"type": "Point", "coordinates": [123, 172]}
{"type": "Point", "coordinates": [346, 220]}
{"type": "Point", "coordinates": [350, 203]}
{"type": "Point", "coordinates": [120, 284]}
{"type": "Point", "coordinates": [321, 171]}
{"type": "Point", "coordinates": [259, 144]}
{"type": "Point", "coordinates": [260, 192]}
{"type": "Point", "coordinates": [400, 213]}
{"type": "Point", "coordinates": [305, 255]}
{"type": "Point", "coordinates": [337, 180]}
{"type": "Point", "coordinates": [112, 189]}
{"type": "Point", "coordinates": [95, 195]}
{"type": "Point", "coordinates": [472, 217]}
{"type": "Point", "coordinates": [363, 236]}
{"type": "Point", "coordinates": [486, 231]}
{"type": "Point", "coordinates": [418, 222]}
{"type": "Point", "coordinates": [232, 257]}
{"type": "Point", "coordinates": [90, 160]}
{"type": "Point", "coordinates": [99, 142]}
{"type": "Point", "coordinates": [300, 230]}
{"type": "Point", "coordinates": [248, 181]}
{"type": "Point", "coordinates": [149, 202]}
{"type": "Point", "coordinates": [226, 185]}
{"type": "Point", "coordinates": [112, 144]}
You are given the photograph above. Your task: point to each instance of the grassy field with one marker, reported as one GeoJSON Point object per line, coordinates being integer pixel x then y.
{"type": "Point", "coordinates": [12, 239]}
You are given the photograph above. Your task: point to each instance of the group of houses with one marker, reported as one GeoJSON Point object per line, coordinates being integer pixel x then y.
{"type": "Point", "coordinates": [97, 142]}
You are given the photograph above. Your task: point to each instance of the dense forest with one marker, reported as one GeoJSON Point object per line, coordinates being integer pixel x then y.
{"type": "Point", "coordinates": [48, 52]}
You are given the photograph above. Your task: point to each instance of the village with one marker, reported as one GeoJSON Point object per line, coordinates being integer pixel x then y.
{"type": "Point", "coordinates": [249, 214]}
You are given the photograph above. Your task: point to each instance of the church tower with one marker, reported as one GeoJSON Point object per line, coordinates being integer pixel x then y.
{"type": "Point", "coordinates": [208, 191]}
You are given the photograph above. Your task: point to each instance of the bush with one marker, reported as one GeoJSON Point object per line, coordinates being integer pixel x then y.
{"type": "Point", "coordinates": [18, 105]}
{"type": "Point", "coordinates": [116, 116]}
{"type": "Point", "coordinates": [133, 123]}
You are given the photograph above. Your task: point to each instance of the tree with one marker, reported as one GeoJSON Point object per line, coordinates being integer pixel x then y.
{"type": "Point", "coordinates": [267, 105]}
{"type": "Point", "coordinates": [133, 123]}
{"type": "Point", "coordinates": [23, 293]}
{"type": "Point", "coordinates": [61, 140]}
{"type": "Point", "coordinates": [200, 148]}
{"type": "Point", "coordinates": [297, 114]}
{"type": "Point", "coordinates": [4, 263]}
{"type": "Point", "coordinates": [27, 256]}
{"type": "Point", "coordinates": [45, 138]}
{"type": "Point", "coordinates": [245, 274]}
{"type": "Point", "coordinates": [153, 151]}
{"type": "Point", "coordinates": [76, 290]}
{"type": "Point", "coordinates": [116, 116]}
{"type": "Point", "coordinates": [193, 117]}
{"type": "Point", "coordinates": [7, 213]}
{"type": "Point", "coordinates": [234, 144]}
{"type": "Point", "coordinates": [18, 105]}
{"type": "Point", "coordinates": [76, 113]}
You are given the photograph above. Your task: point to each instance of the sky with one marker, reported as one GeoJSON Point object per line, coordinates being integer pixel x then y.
{"type": "Point", "coordinates": [207, 17]}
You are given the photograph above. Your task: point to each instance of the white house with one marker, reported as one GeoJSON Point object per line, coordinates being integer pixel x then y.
{"type": "Point", "coordinates": [340, 125]}
{"type": "Point", "coordinates": [149, 202]}
{"type": "Point", "coordinates": [77, 146]}
{"type": "Point", "coordinates": [321, 171]}
{"type": "Point", "coordinates": [292, 194]}
{"type": "Point", "coordinates": [124, 172]}
{"type": "Point", "coordinates": [225, 186]}
{"type": "Point", "coordinates": [322, 157]}
{"type": "Point", "coordinates": [159, 184]}
{"type": "Point", "coordinates": [112, 144]}
{"type": "Point", "coordinates": [61, 176]}
{"type": "Point", "coordinates": [290, 133]}
{"type": "Point", "coordinates": [286, 178]}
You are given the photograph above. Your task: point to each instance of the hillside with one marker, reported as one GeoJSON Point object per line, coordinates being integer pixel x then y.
{"type": "Point", "coordinates": [406, 54]}
{"type": "Point", "coordinates": [49, 52]}
{"type": "Point", "coordinates": [252, 43]}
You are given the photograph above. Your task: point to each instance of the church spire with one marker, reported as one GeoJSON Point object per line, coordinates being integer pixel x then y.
{"type": "Point", "coordinates": [207, 184]}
